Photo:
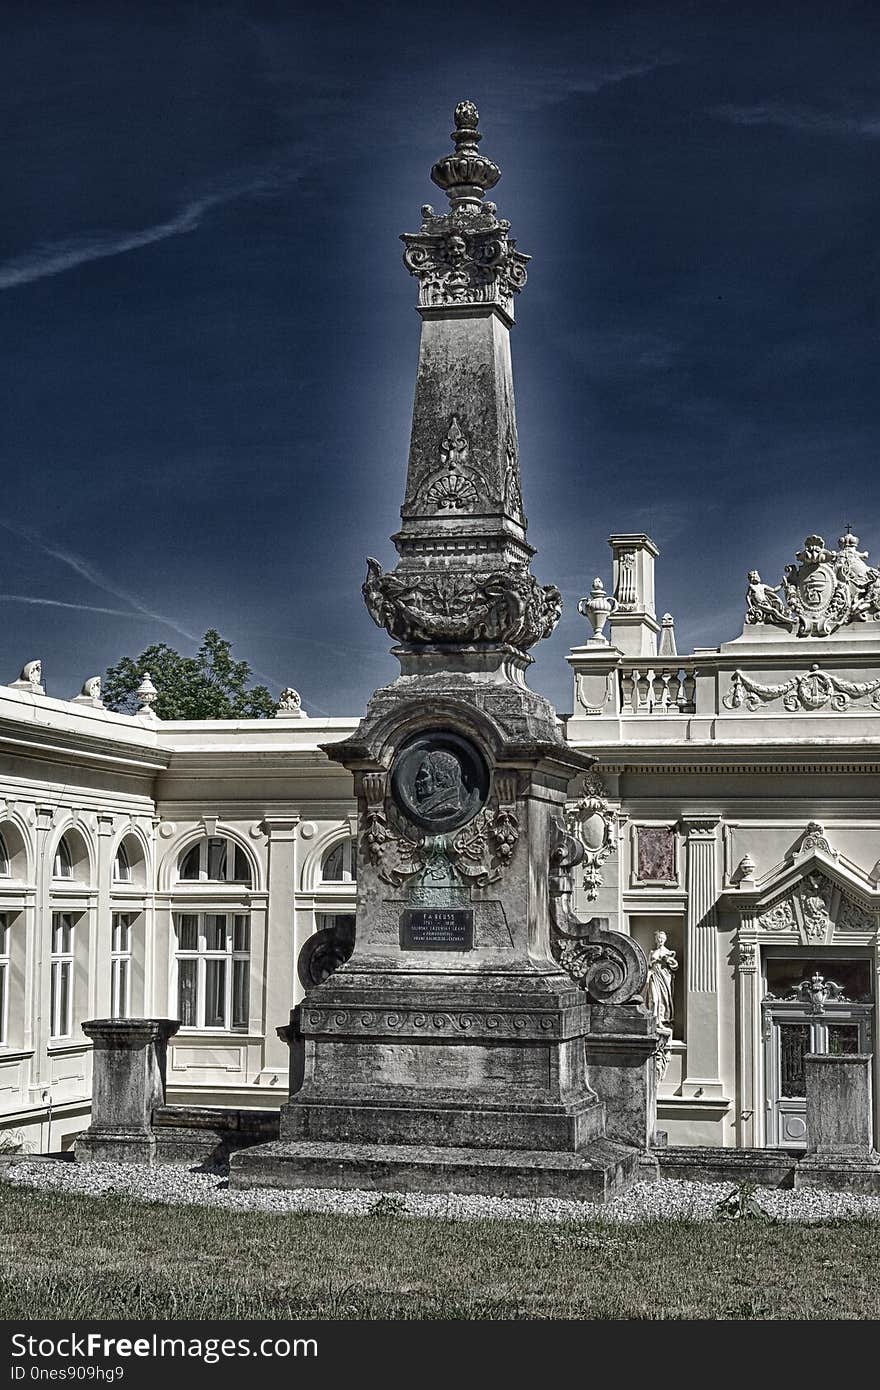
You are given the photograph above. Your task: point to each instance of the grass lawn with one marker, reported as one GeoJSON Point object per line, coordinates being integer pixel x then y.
{"type": "Point", "coordinates": [72, 1257]}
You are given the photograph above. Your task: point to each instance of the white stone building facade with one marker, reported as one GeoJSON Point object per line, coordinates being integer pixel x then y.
{"type": "Point", "coordinates": [171, 869]}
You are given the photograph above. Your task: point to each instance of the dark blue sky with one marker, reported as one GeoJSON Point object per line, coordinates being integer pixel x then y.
{"type": "Point", "coordinates": [210, 341]}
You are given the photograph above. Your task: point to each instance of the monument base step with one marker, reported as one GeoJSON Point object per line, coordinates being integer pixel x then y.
{"type": "Point", "coordinates": [840, 1173]}
{"type": "Point", "coordinates": [598, 1173]}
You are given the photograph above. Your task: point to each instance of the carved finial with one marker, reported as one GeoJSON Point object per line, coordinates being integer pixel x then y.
{"type": "Point", "coordinates": [147, 695]}
{"type": "Point", "coordinates": [667, 636]}
{"type": "Point", "coordinates": [465, 175]}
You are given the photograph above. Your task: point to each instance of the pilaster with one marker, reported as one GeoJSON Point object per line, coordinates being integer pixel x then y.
{"type": "Point", "coordinates": [703, 886]}
{"type": "Point", "coordinates": [100, 981]}
{"type": "Point", "coordinates": [279, 964]}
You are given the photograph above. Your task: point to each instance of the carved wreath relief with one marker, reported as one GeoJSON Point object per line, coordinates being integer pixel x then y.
{"type": "Point", "coordinates": [437, 826]}
{"type": "Point", "coordinates": [824, 591]}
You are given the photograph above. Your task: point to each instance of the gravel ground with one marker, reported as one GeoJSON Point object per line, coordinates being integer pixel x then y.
{"type": "Point", "coordinates": [644, 1201]}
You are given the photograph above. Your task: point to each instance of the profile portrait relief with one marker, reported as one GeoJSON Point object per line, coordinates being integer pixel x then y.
{"type": "Point", "coordinates": [438, 786]}
{"type": "Point", "coordinates": [439, 780]}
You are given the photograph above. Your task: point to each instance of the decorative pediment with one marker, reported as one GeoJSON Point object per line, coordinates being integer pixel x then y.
{"type": "Point", "coordinates": [814, 896]}
{"type": "Point", "coordinates": [816, 907]}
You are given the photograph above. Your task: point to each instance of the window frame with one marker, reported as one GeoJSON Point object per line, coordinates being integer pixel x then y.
{"type": "Point", "coordinates": [62, 963]}
{"type": "Point", "coordinates": [233, 855]}
{"type": "Point", "coordinates": [5, 975]}
{"type": "Point", "coordinates": [236, 963]}
{"type": "Point", "coordinates": [348, 848]}
{"type": "Point", "coordinates": [121, 857]}
{"type": "Point", "coordinates": [121, 963]}
{"type": "Point", "coordinates": [5, 859]}
{"type": "Point", "coordinates": [62, 862]}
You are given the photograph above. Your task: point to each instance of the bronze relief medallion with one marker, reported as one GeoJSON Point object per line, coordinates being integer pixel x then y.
{"type": "Point", "coordinates": [439, 781]}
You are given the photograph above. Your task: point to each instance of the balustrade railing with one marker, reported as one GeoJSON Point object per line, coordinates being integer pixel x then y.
{"type": "Point", "coordinates": [648, 686]}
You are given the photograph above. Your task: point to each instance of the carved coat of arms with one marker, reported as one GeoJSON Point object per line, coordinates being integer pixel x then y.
{"type": "Point", "coordinates": [824, 590]}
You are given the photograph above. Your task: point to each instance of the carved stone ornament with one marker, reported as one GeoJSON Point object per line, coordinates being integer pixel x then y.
{"type": "Point", "coordinates": [594, 825]}
{"type": "Point", "coordinates": [439, 781]}
{"type": "Point", "coordinates": [501, 606]}
{"type": "Point", "coordinates": [809, 690]}
{"type": "Point", "coordinates": [474, 856]}
{"type": "Point", "coordinates": [747, 955]}
{"type": "Point", "coordinates": [513, 503]}
{"type": "Point", "coordinates": [289, 702]}
{"type": "Point", "coordinates": [808, 909]}
{"type": "Point", "coordinates": [814, 838]}
{"type": "Point", "coordinates": [598, 607]}
{"type": "Point", "coordinates": [607, 965]}
{"type": "Point", "coordinates": [815, 990]}
{"type": "Point", "coordinates": [325, 951]}
{"type": "Point", "coordinates": [625, 593]}
{"type": "Point", "coordinates": [465, 256]}
{"type": "Point", "coordinates": [780, 917]}
{"type": "Point", "coordinates": [31, 678]}
{"type": "Point", "coordinates": [825, 590]}
{"type": "Point", "coordinates": [456, 484]}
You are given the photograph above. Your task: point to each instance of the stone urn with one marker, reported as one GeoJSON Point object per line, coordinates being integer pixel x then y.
{"type": "Point", "coordinates": [598, 608]}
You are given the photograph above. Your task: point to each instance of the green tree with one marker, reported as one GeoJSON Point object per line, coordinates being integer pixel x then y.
{"type": "Point", "coordinates": [209, 685]}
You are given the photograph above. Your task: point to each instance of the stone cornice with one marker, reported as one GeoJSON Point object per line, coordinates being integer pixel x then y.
{"type": "Point", "coordinates": [79, 745]}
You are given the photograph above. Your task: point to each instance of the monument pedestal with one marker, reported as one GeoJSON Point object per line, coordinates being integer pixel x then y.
{"type": "Point", "coordinates": [128, 1084]}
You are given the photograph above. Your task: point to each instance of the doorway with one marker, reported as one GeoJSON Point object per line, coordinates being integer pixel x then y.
{"type": "Point", "coordinates": [810, 1005]}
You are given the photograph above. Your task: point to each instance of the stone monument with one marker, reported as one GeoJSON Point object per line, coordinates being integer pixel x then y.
{"type": "Point", "coordinates": [451, 1048]}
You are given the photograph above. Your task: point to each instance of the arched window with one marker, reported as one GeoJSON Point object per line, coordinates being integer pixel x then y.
{"type": "Point", "coordinates": [122, 866]}
{"type": "Point", "coordinates": [340, 863]}
{"type": "Point", "coordinates": [62, 866]}
{"type": "Point", "coordinates": [4, 859]}
{"type": "Point", "coordinates": [214, 859]}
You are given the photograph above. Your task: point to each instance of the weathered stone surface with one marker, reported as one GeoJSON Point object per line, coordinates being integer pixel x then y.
{"type": "Point", "coordinates": [128, 1084]}
{"type": "Point", "coordinates": [596, 1174]}
{"type": "Point", "coordinates": [209, 1134]}
{"type": "Point", "coordinates": [839, 1111]}
{"type": "Point", "coordinates": [697, 1163]}
{"type": "Point", "coordinates": [621, 1047]}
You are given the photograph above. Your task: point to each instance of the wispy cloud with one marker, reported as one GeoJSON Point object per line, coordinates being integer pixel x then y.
{"type": "Point", "coordinates": [78, 607]}
{"type": "Point", "coordinates": [801, 118]}
{"type": "Point", "coordinates": [90, 572]}
{"type": "Point", "coordinates": [56, 257]}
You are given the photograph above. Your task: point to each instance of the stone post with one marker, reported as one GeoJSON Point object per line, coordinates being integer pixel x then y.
{"type": "Point", "coordinates": [128, 1083]}
{"type": "Point", "coordinates": [621, 1048]}
{"type": "Point", "coordinates": [702, 958]}
{"type": "Point", "coordinates": [839, 1105]}
{"type": "Point", "coordinates": [291, 1034]}
{"type": "Point", "coordinates": [633, 623]}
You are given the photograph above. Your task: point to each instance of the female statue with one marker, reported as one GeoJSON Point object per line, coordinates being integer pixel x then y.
{"type": "Point", "coordinates": [658, 992]}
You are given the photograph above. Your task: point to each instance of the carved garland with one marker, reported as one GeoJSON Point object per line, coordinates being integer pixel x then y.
{"type": "Point", "coordinates": [477, 854]}
{"type": "Point", "coordinates": [807, 691]}
{"type": "Point", "coordinates": [508, 606]}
